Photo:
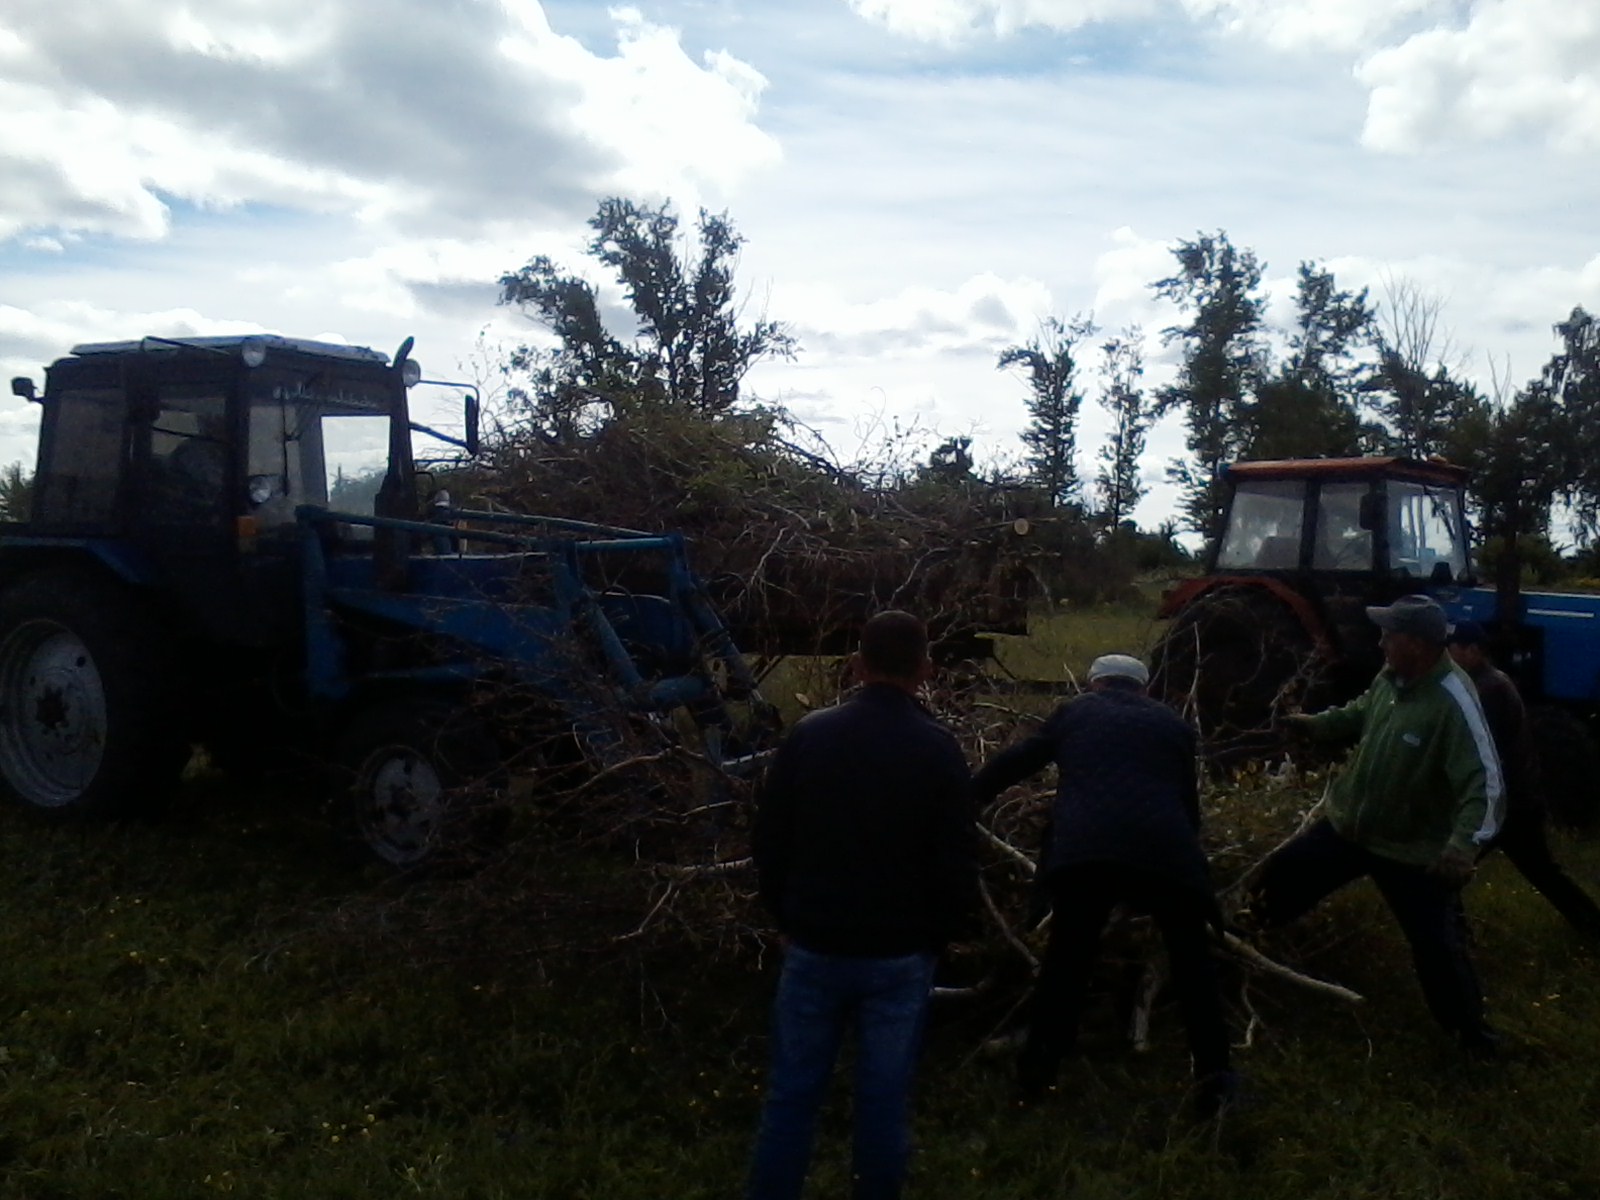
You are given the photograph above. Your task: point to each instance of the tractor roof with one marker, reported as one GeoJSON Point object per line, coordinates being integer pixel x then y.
{"type": "Point", "coordinates": [1432, 470]}
{"type": "Point", "coordinates": [234, 342]}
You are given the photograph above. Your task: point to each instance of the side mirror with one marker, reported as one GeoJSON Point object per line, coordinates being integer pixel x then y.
{"type": "Point", "coordinates": [23, 386]}
{"type": "Point", "coordinates": [469, 403]}
{"type": "Point", "coordinates": [1370, 514]}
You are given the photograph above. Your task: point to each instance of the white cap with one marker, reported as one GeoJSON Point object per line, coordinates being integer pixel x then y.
{"type": "Point", "coordinates": [1119, 666]}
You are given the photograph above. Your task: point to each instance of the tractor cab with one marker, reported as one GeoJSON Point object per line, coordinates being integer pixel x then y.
{"type": "Point", "coordinates": [141, 438]}
{"type": "Point", "coordinates": [1279, 617]}
{"type": "Point", "coordinates": [189, 460]}
{"type": "Point", "coordinates": [1388, 520]}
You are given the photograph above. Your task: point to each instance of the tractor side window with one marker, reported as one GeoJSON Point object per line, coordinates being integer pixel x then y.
{"type": "Point", "coordinates": [1342, 544]}
{"type": "Point", "coordinates": [79, 484]}
{"type": "Point", "coordinates": [1425, 532]}
{"type": "Point", "coordinates": [1263, 531]}
{"type": "Point", "coordinates": [190, 454]}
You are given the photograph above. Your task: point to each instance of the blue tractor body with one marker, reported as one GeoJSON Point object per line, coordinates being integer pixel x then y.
{"type": "Point", "coordinates": [228, 546]}
{"type": "Point", "coordinates": [1556, 636]}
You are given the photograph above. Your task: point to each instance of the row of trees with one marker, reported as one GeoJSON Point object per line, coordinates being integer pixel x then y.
{"type": "Point", "coordinates": [1348, 375]}
{"type": "Point", "coordinates": [582, 392]}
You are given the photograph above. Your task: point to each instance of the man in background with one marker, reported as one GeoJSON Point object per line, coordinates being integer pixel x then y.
{"type": "Point", "coordinates": [1522, 837]}
{"type": "Point", "coordinates": [865, 843]}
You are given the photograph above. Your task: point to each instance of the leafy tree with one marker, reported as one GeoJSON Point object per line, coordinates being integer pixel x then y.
{"type": "Point", "coordinates": [1218, 286]}
{"type": "Point", "coordinates": [1050, 366]}
{"type": "Point", "coordinates": [950, 463]}
{"type": "Point", "coordinates": [1540, 445]}
{"type": "Point", "coordinates": [1118, 484]}
{"type": "Point", "coordinates": [16, 492]}
{"type": "Point", "coordinates": [1570, 383]}
{"type": "Point", "coordinates": [689, 350]}
{"type": "Point", "coordinates": [1308, 407]}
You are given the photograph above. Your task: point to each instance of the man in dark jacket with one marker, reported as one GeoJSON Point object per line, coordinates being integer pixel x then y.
{"type": "Point", "coordinates": [1522, 834]}
{"type": "Point", "coordinates": [865, 844]}
{"type": "Point", "coordinates": [1124, 830]}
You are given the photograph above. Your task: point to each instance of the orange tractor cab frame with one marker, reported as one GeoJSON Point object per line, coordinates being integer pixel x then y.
{"type": "Point", "coordinates": [1279, 617]}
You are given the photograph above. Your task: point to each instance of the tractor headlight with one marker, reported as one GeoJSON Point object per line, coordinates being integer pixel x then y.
{"type": "Point", "coordinates": [253, 351]}
{"type": "Point", "coordinates": [411, 372]}
{"type": "Point", "coordinates": [262, 489]}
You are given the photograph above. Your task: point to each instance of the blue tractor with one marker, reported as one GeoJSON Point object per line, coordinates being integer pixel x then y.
{"type": "Point", "coordinates": [1278, 618]}
{"type": "Point", "coordinates": [182, 579]}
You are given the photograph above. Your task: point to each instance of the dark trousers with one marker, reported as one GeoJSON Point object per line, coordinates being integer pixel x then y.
{"type": "Point", "coordinates": [1083, 897]}
{"type": "Point", "coordinates": [1524, 842]}
{"type": "Point", "coordinates": [1429, 911]}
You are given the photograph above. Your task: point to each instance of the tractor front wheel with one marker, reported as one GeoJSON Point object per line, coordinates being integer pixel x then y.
{"type": "Point", "coordinates": [88, 722]}
{"type": "Point", "coordinates": [424, 782]}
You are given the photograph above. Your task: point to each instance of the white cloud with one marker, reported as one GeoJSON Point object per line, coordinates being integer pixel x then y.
{"type": "Point", "coordinates": [951, 20]}
{"type": "Point", "coordinates": [449, 114]}
{"type": "Point", "coordinates": [980, 316]}
{"type": "Point", "coordinates": [1319, 24]}
{"type": "Point", "coordinates": [1517, 65]}
{"type": "Point", "coordinates": [1292, 24]}
{"type": "Point", "coordinates": [1514, 65]}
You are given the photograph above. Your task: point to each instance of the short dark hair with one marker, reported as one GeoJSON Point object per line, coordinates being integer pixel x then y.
{"type": "Point", "coordinates": [894, 644]}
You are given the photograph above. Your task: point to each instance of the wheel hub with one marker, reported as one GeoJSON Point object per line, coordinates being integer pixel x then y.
{"type": "Point", "coordinates": [53, 723]}
{"type": "Point", "coordinates": [405, 802]}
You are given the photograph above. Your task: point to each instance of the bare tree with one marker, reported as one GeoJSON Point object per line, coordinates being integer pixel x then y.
{"type": "Point", "coordinates": [1416, 390]}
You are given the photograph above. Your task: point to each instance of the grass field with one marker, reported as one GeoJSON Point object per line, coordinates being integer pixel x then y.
{"type": "Point", "coordinates": [212, 1004]}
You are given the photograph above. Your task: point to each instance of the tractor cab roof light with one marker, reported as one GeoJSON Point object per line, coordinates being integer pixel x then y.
{"type": "Point", "coordinates": [253, 351]}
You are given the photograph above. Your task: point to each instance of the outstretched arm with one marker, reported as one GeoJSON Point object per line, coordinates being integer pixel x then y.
{"type": "Point", "coordinates": [1015, 763]}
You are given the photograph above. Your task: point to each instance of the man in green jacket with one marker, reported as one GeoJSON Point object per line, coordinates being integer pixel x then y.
{"type": "Point", "coordinates": [1418, 800]}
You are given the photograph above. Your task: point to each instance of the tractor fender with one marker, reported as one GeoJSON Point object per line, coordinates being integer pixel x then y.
{"type": "Point", "coordinates": [23, 555]}
{"type": "Point", "coordinates": [1190, 591]}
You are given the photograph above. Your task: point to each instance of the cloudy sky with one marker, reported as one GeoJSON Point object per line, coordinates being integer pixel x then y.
{"type": "Point", "coordinates": [919, 181]}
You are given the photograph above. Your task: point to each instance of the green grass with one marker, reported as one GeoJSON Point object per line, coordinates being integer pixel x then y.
{"type": "Point", "coordinates": [213, 1005]}
{"type": "Point", "coordinates": [1064, 642]}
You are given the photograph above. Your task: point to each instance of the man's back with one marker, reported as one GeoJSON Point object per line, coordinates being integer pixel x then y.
{"type": "Point", "coordinates": [1126, 788]}
{"type": "Point", "coordinates": [864, 834]}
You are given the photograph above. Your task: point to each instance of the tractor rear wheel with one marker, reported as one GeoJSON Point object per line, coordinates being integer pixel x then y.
{"type": "Point", "coordinates": [422, 783]}
{"type": "Point", "coordinates": [1569, 767]}
{"type": "Point", "coordinates": [1235, 659]}
{"type": "Point", "coordinates": [89, 723]}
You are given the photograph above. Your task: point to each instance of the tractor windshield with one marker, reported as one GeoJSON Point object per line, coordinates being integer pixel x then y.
{"type": "Point", "coordinates": [1344, 538]}
{"type": "Point", "coordinates": [1264, 523]}
{"type": "Point", "coordinates": [1426, 534]}
{"type": "Point", "coordinates": [316, 439]}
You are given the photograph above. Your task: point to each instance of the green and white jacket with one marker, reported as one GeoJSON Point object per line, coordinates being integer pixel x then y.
{"type": "Point", "coordinates": [1424, 774]}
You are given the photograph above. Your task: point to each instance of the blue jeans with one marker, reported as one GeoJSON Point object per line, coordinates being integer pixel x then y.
{"type": "Point", "coordinates": [819, 997]}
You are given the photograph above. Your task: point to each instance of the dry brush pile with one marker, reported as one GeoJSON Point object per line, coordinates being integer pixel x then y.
{"type": "Point", "coordinates": [647, 850]}
{"type": "Point", "coordinates": [796, 548]}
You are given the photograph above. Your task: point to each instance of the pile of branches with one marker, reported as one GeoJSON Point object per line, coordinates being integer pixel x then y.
{"type": "Point", "coordinates": [796, 548]}
{"type": "Point", "coordinates": [648, 859]}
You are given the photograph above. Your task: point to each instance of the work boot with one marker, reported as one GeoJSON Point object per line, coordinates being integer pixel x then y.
{"type": "Point", "coordinates": [1215, 1094]}
{"type": "Point", "coordinates": [1481, 1044]}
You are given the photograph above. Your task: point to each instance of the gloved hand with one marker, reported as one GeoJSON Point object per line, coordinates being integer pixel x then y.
{"type": "Point", "coordinates": [1455, 867]}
